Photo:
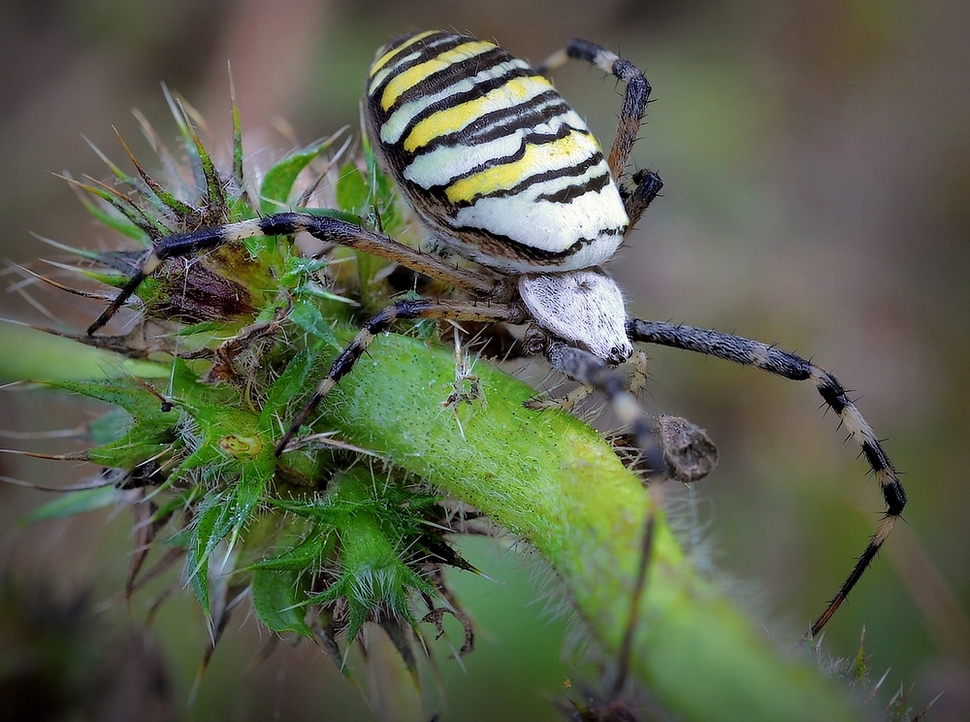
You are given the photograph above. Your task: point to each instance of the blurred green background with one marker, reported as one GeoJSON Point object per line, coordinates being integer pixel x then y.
{"type": "Point", "coordinates": [817, 165]}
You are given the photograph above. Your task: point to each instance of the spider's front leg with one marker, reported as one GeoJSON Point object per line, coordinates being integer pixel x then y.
{"type": "Point", "coordinates": [787, 365]}
{"type": "Point", "coordinates": [635, 97]}
{"type": "Point", "coordinates": [671, 446]}
{"type": "Point", "coordinates": [411, 309]}
{"type": "Point", "coordinates": [324, 228]}
{"type": "Point", "coordinates": [638, 194]}
{"type": "Point", "coordinates": [588, 369]}
{"type": "Point", "coordinates": [639, 190]}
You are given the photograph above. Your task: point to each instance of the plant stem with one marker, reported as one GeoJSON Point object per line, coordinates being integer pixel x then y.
{"type": "Point", "coordinates": [554, 482]}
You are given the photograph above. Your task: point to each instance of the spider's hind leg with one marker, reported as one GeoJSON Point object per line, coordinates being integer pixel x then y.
{"type": "Point", "coordinates": [787, 365]}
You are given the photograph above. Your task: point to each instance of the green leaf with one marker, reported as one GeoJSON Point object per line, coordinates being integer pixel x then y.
{"type": "Point", "coordinates": [182, 112]}
{"type": "Point", "coordinates": [335, 213]}
{"type": "Point", "coordinates": [127, 393]}
{"type": "Point", "coordinates": [110, 427]}
{"type": "Point", "coordinates": [327, 511]}
{"type": "Point", "coordinates": [215, 186]}
{"type": "Point", "coordinates": [151, 432]}
{"type": "Point", "coordinates": [108, 215]}
{"type": "Point", "coordinates": [383, 192]}
{"type": "Point", "coordinates": [211, 527]}
{"type": "Point", "coordinates": [147, 188]}
{"type": "Point", "coordinates": [125, 179]}
{"type": "Point", "coordinates": [297, 268]}
{"type": "Point", "coordinates": [308, 317]}
{"type": "Point", "coordinates": [75, 502]}
{"type": "Point", "coordinates": [287, 386]}
{"type": "Point", "coordinates": [353, 195]}
{"type": "Point", "coordinates": [237, 144]}
{"type": "Point", "coordinates": [177, 503]}
{"type": "Point", "coordinates": [246, 494]}
{"type": "Point", "coordinates": [300, 556]}
{"type": "Point", "coordinates": [42, 355]}
{"type": "Point", "coordinates": [150, 226]}
{"type": "Point", "coordinates": [277, 601]}
{"type": "Point", "coordinates": [278, 183]}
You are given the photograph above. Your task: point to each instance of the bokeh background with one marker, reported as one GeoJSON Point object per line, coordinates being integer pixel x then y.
{"type": "Point", "coordinates": [816, 155]}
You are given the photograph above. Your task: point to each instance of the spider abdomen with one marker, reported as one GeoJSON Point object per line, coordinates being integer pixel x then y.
{"type": "Point", "coordinates": [491, 157]}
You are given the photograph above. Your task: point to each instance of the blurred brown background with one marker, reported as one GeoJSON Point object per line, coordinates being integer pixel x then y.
{"type": "Point", "coordinates": [816, 156]}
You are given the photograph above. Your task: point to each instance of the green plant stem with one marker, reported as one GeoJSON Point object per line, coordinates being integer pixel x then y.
{"type": "Point", "coordinates": [554, 482]}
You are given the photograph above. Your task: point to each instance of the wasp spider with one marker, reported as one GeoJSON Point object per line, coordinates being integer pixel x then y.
{"type": "Point", "coordinates": [502, 171]}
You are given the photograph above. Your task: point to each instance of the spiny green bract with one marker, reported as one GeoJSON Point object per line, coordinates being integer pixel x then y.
{"type": "Point", "coordinates": [324, 541]}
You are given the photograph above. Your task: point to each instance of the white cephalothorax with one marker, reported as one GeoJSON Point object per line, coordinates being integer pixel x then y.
{"type": "Point", "coordinates": [582, 307]}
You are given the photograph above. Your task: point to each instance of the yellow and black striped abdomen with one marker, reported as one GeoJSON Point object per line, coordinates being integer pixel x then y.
{"type": "Point", "coordinates": [491, 156]}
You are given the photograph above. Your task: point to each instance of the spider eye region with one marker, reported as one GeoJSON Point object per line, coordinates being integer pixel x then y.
{"type": "Point", "coordinates": [582, 307]}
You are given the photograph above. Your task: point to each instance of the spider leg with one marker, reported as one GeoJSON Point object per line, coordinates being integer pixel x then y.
{"type": "Point", "coordinates": [586, 368]}
{"type": "Point", "coordinates": [566, 402]}
{"type": "Point", "coordinates": [328, 229]}
{"type": "Point", "coordinates": [645, 184]}
{"type": "Point", "coordinates": [790, 366]}
{"type": "Point", "coordinates": [634, 98]}
{"type": "Point", "coordinates": [639, 587]}
{"type": "Point", "coordinates": [413, 309]}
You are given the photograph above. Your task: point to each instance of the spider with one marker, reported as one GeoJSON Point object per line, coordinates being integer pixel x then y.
{"type": "Point", "coordinates": [503, 172]}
